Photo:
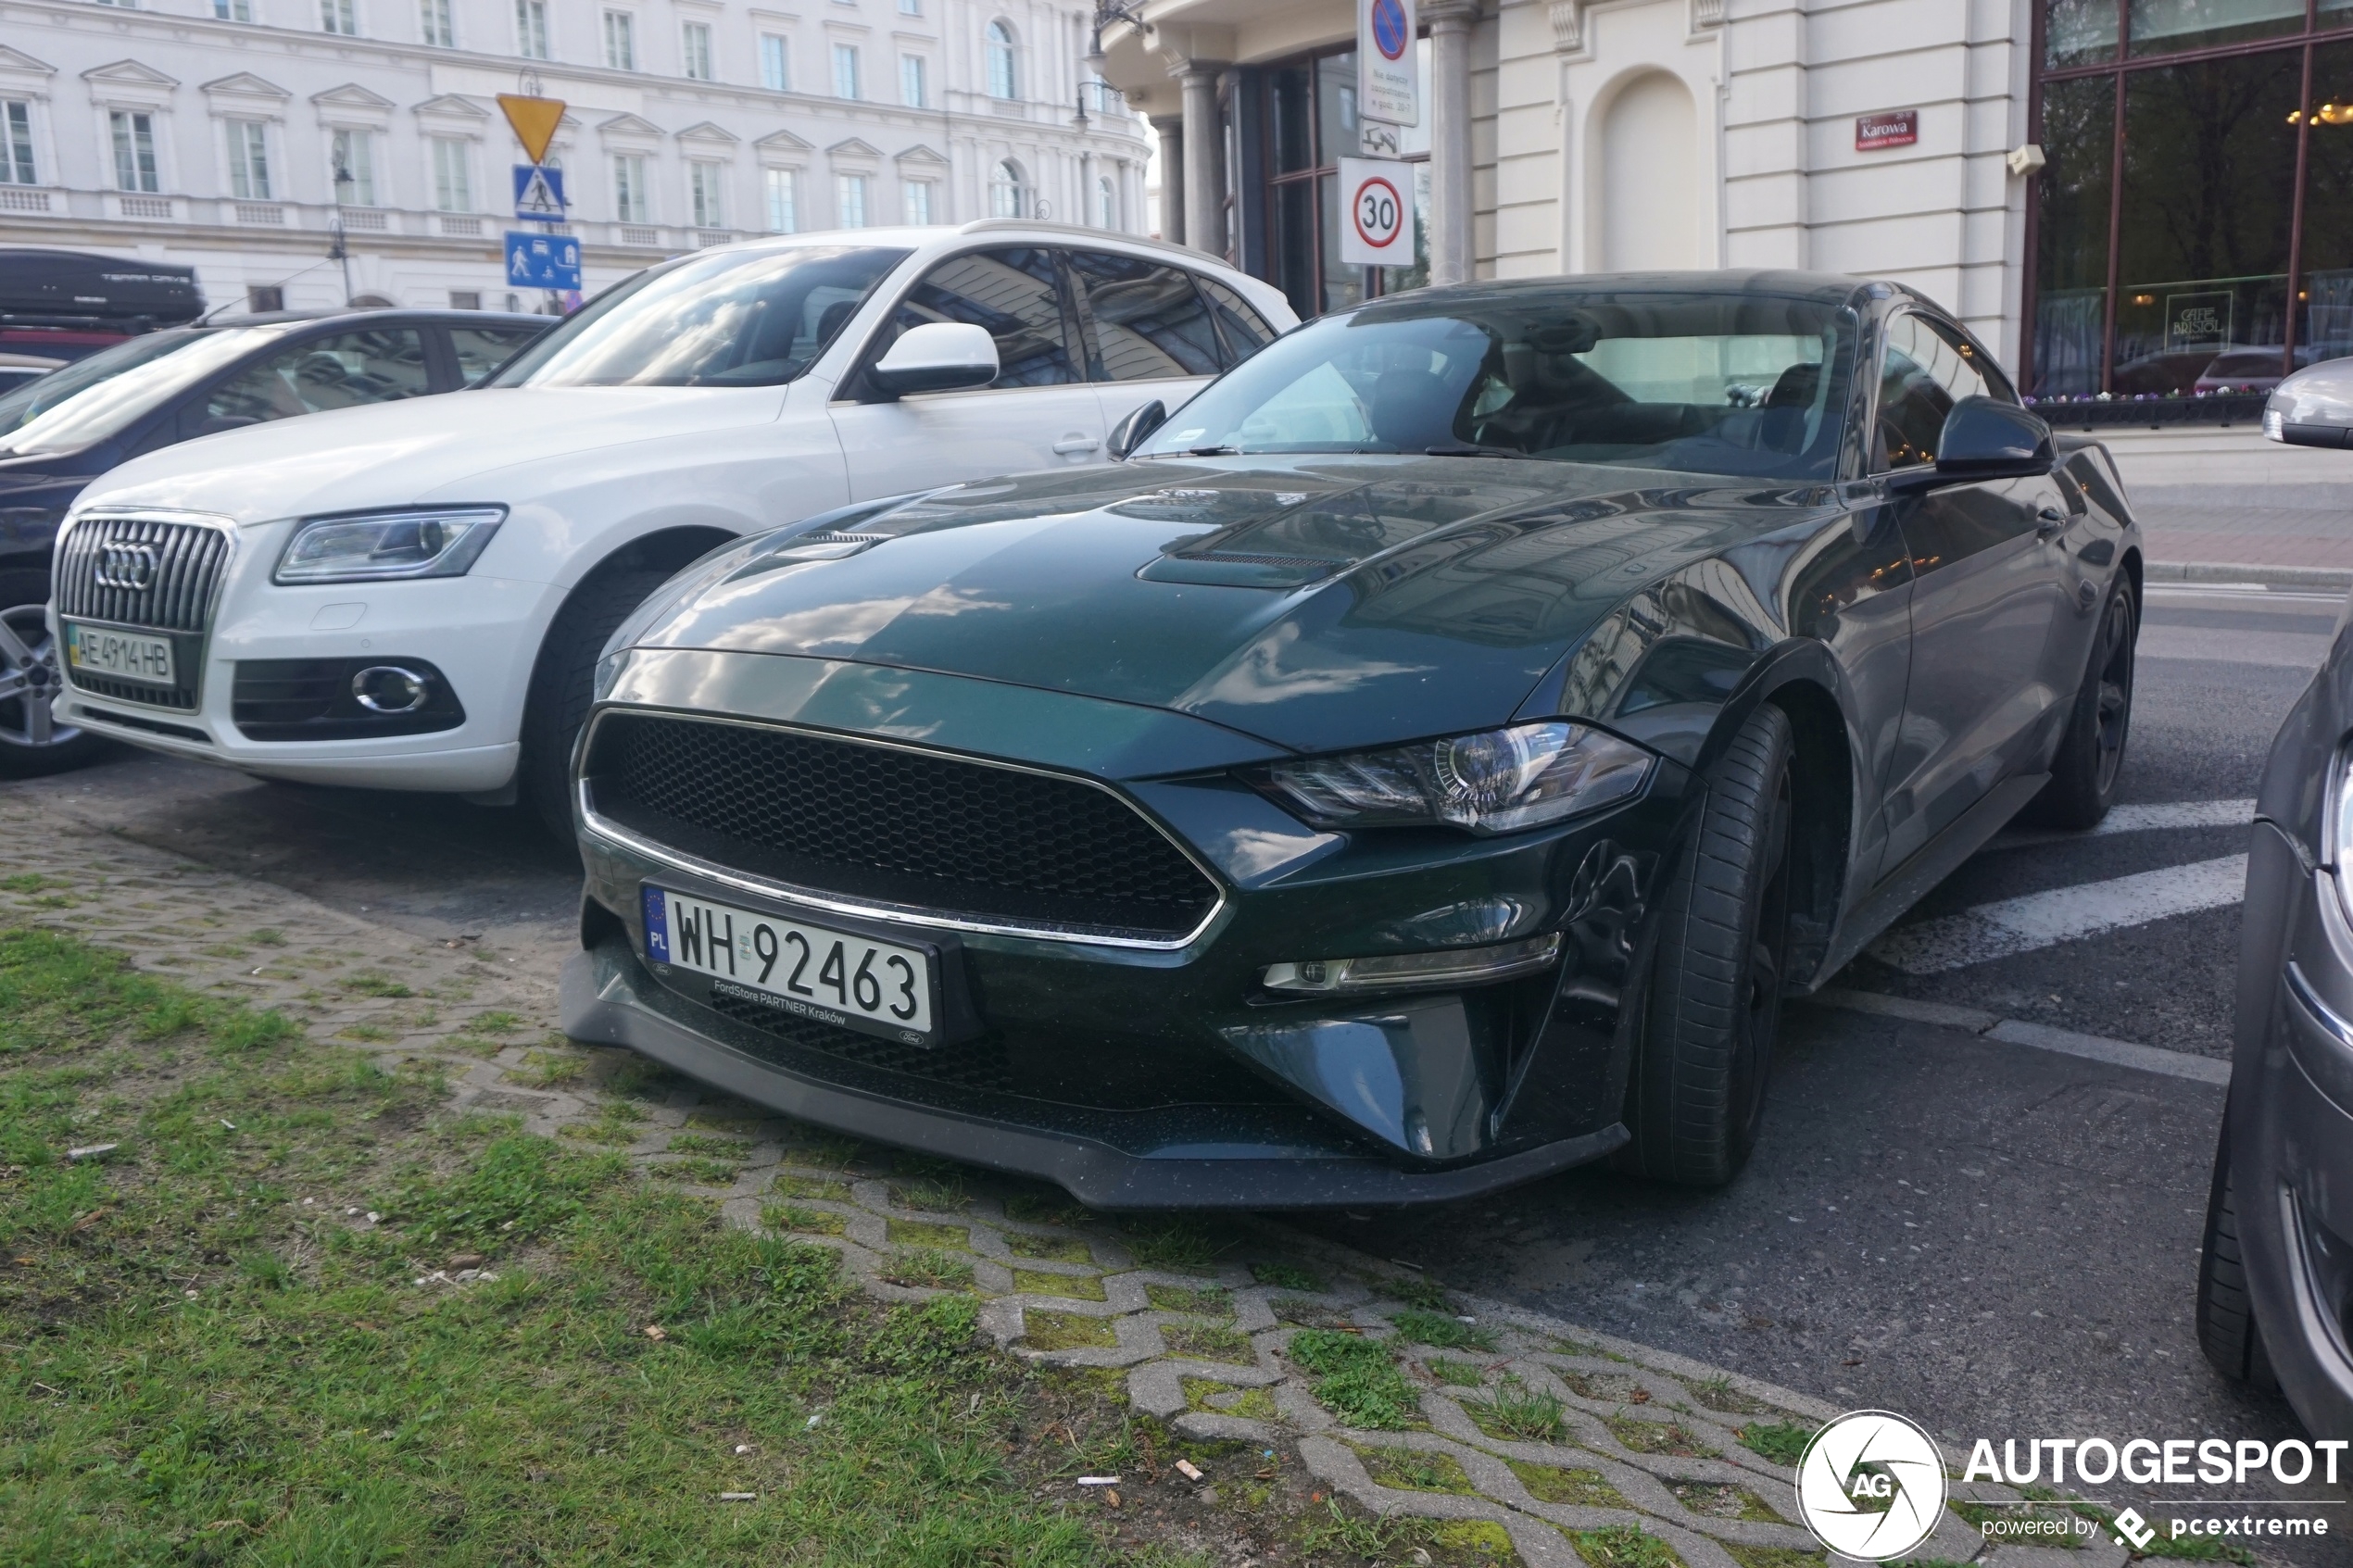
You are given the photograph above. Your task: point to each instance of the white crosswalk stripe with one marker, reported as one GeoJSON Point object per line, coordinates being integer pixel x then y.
{"type": "Point", "coordinates": [2142, 818]}
{"type": "Point", "coordinates": [2011, 926]}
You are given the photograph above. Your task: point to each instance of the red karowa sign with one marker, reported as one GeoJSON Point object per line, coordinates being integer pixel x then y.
{"type": "Point", "coordinates": [1896, 128]}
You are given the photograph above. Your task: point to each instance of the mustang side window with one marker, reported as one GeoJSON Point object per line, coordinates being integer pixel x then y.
{"type": "Point", "coordinates": [378, 365]}
{"type": "Point", "coordinates": [1925, 370]}
{"type": "Point", "coordinates": [1012, 294]}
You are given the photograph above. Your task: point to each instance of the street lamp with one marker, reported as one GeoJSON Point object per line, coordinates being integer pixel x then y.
{"type": "Point", "coordinates": [340, 251]}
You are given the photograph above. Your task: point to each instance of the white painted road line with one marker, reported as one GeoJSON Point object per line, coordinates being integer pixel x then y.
{"type": "Point", "coordinates": [2139, 819]}
{"type": "Point", "coordinates": [2010, 926]}
{"type": "Point", "coordinates": [2041, 1037]}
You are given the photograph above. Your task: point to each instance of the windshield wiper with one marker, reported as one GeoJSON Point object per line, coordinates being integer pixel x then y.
{"type": "Point", "coordinates": [1213, 451]}
{"type": "Point", "coordinates": [1464, 449]}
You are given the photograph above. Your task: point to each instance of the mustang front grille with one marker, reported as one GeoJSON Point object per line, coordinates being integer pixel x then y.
{"type": "Point", "coordinates": [878, 826]}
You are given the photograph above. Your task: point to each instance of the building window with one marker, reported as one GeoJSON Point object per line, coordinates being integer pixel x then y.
{"type": "Point", "coordinates": [436, 24]}
{"type": "Point", "coordinates": [845, 70]}
{"type": "Point", "coordinates": [1007, 196]}
{"type": "Point", "coordinates": [707, 195]}
{"type": "Point", "coordinates": [629, 195]}
{"type": "Point", "coordinates": [1309, 108]}
{"type": "Point", "coordinates": [465, 300]}
{"type": "Point", "coordinates": [918, 201]}
{"type": "Point", "coordinates": [849, 200]}
{"type": "Point", "coordinates": [248, 160]}
{"type": "Point", "coordinates": [134, 150]}
{"type": "Point", "coordinates": [911, 7]}
{"type": "Point", "coordinates": [233, 10]}
{"type": "Point", "coordinates": [1106, 203]}
{"type": "Point", "coordinates": [16, 143]}
{"type": "Point", "coordinates": [354, 168]}
{"type": "Point", "coordinates": [453, 188]}
{"type": "Point", "coordinates": [911, 81]}
{"type": "Point", "coordinates": [694, 41]}
{"type": "Point", "coordinates": [776, 63]}
{"type": "Point", "coordinates": [782, 187]}
{"type": "Point", "coordinates": [264, 299]}
{"type": "Point", "coordinates": [1004, 82]}
{"type": "Point", "coordinates": [621, 41]}
{"type": "Point", "coordinates": [531, 29]}
{"type": "Point", "coordinates": [339, 16]}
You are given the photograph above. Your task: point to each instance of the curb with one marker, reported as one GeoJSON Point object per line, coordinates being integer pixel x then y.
{"type": "Point", "coordinates": [2269, 576]}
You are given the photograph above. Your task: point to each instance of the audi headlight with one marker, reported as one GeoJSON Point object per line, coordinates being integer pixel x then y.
{"type": "Point", "coordinates": [1495, 781]}
{"type": "Point", "coordinates": [388, 545]}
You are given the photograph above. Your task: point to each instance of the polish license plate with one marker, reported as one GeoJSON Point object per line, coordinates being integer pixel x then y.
{"type": "Point", "coordinates": [126, 656]}
{"type": "Point", "coordinates": [836, 977]}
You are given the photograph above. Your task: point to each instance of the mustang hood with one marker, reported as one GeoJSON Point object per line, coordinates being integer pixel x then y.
{"type": "Point", "coordinates": [420, 450]}
{"type": "Point", "coordinates": [1320, 603]}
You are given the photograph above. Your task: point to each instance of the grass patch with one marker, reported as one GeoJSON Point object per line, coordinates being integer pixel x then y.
{"type": "Point", "coordinates": [1079, 1287]}
{"type": "Point", "coordinates": [1285, 1276]}
{"type": "Point", "coordinates": [1052, 1208]}
{"type": "Point", "coordinates": [1723, 1502]}
{"type": "Point", "coordinates": [1209, 1343]}
{"type": "Point", "coordinates": [1773, 1556]}
{"type": "Point", "coordinates": [549, 1070]}
{"type": "Point", "coordinates": [734, 1149]}
{"type": "Point", "coordinates": [1355, 1380]}
{"type": "Point", "coordinates": [793, 1217]}
{"type": "Point", "coordinates": [823, 1188]}
{"type": "Point", "coordinates": [1224, 1398]}
{"type": "Point", "coordinates": [1718, 1394]}
{"type": "Point", "coordinates": [374, 983]}
{"type": "Point", "coordinates": [1066, 1331]}
{"type": "Point", "coordinates": [1417, 1290]}
{"type": "Point", "coordinates": [1306, 1313]}
{"type": "Point", "coordinates": [1410, 1471]}
{"type": "Point", "coordinates": [1185, 1246]}
{"type": "Point", "coordinates": [1666, 1437]}
{"type": "Point", "coordinates": [1578, 1488]}
{"type": "Point", "coordinates": [929, 1266]}
{"type": "Point", "coordinates": [366, 1033]}
{"type": "Point", "coordinates": [1462, 1375]}
{"type": "Point", "coordinates": [914, 1233]}
{"type": "Point", "coordinates": [1446, 1333]}
{"type": "Point", "coordinates": [1623, 1546]}
{"type": "Point", "coordinates": [309, 1405]}
{"type": "Point", "coordinates": [1052, 1248]}
{"type": "Point", "coordinates": [936, 1194]}
{"type": "Point", "coordinates": [1783, 1442]}
{"type": "Point", "coordinates": [497, 1023]}
{"type": "Point", "coordinates": [1514, 1410]}
{"type": "Point", "coordinates": [702, 1173]}
{"type": "Point", "coordinates": [1209, 1301]}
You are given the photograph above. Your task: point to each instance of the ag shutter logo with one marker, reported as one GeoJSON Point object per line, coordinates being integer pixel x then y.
{"type": "Point", "coordinates": [1871, 1486]}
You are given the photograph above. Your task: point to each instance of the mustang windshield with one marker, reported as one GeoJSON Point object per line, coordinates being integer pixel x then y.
{"type": "Point", "coordinates": [734, 318]}
{"type": "Point", "coordinates": [1731, 383]}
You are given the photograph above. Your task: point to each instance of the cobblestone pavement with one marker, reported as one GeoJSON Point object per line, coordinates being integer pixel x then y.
{"type": "Point", "coordinates": [1465, 1409]}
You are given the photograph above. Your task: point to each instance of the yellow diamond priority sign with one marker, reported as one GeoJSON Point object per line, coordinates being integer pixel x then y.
{"type": "Point", "coordinates": [534, 120]}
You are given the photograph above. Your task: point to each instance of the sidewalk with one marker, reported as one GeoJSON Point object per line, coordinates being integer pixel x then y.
{"type": "Point", "coordinates": [2229, 497]}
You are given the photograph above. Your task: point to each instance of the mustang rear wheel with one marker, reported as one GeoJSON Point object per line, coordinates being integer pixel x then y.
{"type": "Point", "coordinates": [1697, 1090]}
{"type": "Point", "coordinates": [2091, 755]}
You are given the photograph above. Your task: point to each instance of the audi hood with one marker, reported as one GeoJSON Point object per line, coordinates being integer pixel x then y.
{"type": "Point", "coordinates": [1319, 603]}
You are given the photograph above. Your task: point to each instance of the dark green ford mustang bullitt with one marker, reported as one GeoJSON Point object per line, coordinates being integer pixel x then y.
{"type": "Point", "coordinates": [1424, 764]}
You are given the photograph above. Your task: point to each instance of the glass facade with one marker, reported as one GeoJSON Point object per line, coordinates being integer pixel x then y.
{"type": "Point", "coordinates": [2194, 220]}
{"type": "Point", "coordinates": [1305, 124]}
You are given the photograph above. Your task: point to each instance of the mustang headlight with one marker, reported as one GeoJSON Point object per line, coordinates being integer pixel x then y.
{"type": "Point", "coordinates": [1495, 781]}
{"type": "Point", "coordinates": [384, 546]}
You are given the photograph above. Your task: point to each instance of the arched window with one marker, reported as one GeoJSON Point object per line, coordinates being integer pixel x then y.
{"type": "Point", "coordinates": [1106, 203]}
{"type": "Point", "coordinates": [1003, 80]}
{"type": "Point", "coordinates": [1008, 196]}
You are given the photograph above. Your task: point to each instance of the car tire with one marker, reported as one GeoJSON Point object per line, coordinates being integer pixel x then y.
{"type": "Point", "coordinates": [1695, 1095]}
{"type": "Point", "coordinates": [563, 686]}
{"type": "Point", "coordinates": [2227, 1331]}
{"type": "Point", "coordinates": [2091, 755]}
{"type": "Point", "coordinates": [31, 745]}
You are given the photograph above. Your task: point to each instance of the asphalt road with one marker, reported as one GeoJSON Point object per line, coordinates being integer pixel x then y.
{"type": "Point", "coordinates": [1994, 1239]}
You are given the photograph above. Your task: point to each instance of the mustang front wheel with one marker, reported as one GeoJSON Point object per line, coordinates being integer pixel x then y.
{"type": "Point", "coordinates": [1697, 1092]}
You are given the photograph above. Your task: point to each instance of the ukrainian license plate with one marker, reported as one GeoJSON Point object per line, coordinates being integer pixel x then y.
{"type": "Point", "coordinates": [125, 655]}
{"type": "Point", "coordinates": [833, 976]}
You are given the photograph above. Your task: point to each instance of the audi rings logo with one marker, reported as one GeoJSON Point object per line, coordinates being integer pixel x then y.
{"type": "Point", "coordinates": [1871, 1486]}
{"type": "Point", "coordinates": [125, 566]}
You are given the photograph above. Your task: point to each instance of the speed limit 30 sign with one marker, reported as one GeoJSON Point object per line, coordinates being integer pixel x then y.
{"type": "Point", "coordinates": [1377, 213]}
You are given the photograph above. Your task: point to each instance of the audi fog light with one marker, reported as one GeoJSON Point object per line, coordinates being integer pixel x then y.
{"type": "Point", "coordinates": [1495, 781]}
{"type": "Point", "coordinates": [1461, 966]}
{"type": "Point", "coordinates": [388, 545]}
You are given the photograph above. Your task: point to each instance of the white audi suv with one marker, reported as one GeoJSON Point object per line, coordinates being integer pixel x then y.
{"type": "Point", "coordinates": [414, 595]}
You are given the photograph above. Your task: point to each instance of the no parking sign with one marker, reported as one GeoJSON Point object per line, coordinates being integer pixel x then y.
{"type": "Point", "coordinates": [1377, 213]}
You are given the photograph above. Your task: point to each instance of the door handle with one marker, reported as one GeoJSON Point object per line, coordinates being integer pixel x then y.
{"type": "Point", "coordinates": [2047, 521]}
{"type": "Point", "coordinates": [1076, 443]}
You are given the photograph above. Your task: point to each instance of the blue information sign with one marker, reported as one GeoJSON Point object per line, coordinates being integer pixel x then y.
{"type": "Point", "coordinates": [542, 261]}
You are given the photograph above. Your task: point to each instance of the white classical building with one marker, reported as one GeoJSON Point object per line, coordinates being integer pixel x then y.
{"type": "Point", "coordinates": [232, 133]}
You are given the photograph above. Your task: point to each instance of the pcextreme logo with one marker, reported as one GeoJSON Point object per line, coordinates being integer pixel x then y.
{"type": "Point", "coordinates": [1871, 1486]}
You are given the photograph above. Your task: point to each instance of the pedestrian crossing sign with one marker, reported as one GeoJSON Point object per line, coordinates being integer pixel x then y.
{"type": "Point", "coordinates": [539, 194]}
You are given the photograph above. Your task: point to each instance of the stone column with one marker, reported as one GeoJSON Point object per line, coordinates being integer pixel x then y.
{"type": "Point", "coordinates": [1205, 168]}
{"type": "Point", "coordinates": [1172, 177]}
{"type": "Point", "coordinates": [1451, 252]}
{"type": "Point", "coordinates": [1087, 216]}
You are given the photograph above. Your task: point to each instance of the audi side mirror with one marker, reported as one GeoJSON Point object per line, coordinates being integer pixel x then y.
{"type": "Point", "coordinates": [937, 356]}
{"type": "Point", "coordinates": [1983, 438]}
{"type": "Point", "coordinates": [1133, 431]}
{"type": "Point", "coordinates": [2313, 407]}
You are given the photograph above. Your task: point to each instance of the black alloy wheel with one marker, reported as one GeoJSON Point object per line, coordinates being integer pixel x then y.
{"type": "Point", "coordinates": [2091, 754]}
{"type": "Point", "coordinates": [32, 742]}
{"type": "Point", "coordinates": [1695, 1097]}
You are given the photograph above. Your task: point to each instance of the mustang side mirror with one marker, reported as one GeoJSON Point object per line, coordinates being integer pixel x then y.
{"type": "Point", "coordinates": [1982, 439]}
{"type": "Point", "coordinates": [937, 356]}
{"type": "Point", "coordinates": [2313, 407]}
{"type": "Point", "coordinates": [1130, 432]}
